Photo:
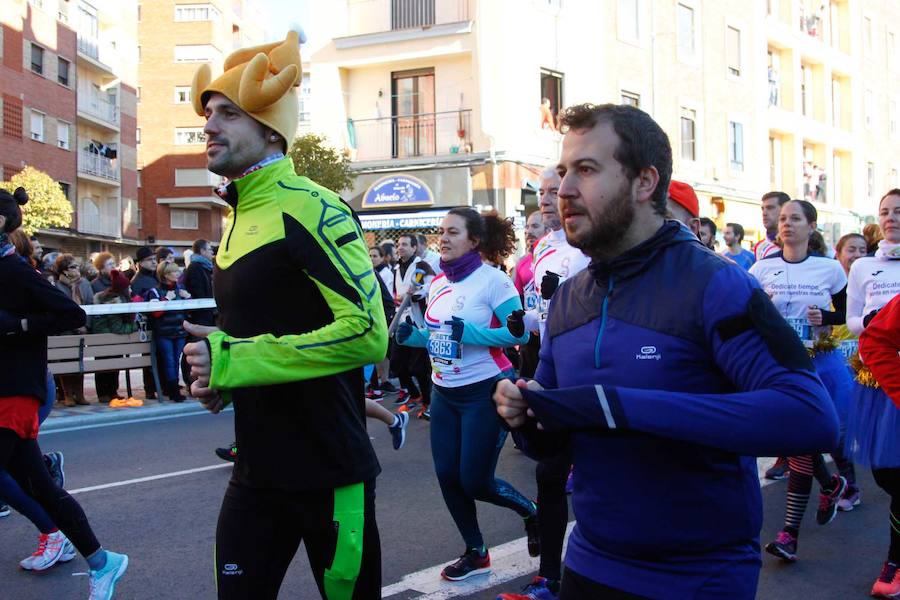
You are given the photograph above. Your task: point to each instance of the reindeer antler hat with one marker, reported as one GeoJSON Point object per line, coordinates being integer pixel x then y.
{"type": "Point", "coordinates": [261, 81]}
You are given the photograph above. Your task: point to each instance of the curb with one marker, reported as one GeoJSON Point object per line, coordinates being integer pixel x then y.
{"type": "Point", "coordinates": [113, 415]}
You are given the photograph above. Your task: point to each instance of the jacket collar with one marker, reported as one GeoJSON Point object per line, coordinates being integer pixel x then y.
{"type": "Point", "coordinates": [255, 188]}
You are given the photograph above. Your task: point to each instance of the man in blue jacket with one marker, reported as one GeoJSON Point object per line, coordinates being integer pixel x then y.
{"type": "Point", "coordinates": [668, 370]}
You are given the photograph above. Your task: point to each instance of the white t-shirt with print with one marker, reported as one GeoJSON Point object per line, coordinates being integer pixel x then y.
{"type": "Point", "coordinates": [474, 300]}
{"type": "Point", "coordinates": [795, 287]}
{"type": "Point", "coordinates": [552, 253]}
{"type": "Point", "coordinates": [873, 283]}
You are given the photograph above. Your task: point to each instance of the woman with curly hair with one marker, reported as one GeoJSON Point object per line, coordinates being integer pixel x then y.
{"type": "Point", "coordinates": [468, 305]}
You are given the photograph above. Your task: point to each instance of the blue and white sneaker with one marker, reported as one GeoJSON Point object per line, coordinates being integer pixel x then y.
{"type": "Point", "coordinates": [55, 462]}
{"type": "Point", "coordinates": [398, 430]}
{"type": "Point", "coordinates": [103, 581]}
{"type": "Point", "coordinates": [4, 510]}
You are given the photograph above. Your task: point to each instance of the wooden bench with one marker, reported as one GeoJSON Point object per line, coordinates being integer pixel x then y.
{"type": "Point", "coordinates": [98, 352]}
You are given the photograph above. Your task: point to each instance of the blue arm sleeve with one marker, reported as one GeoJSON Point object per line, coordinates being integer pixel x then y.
{"type": "Point", "coordinates": [418, 338]}
{"type": "Point", "coordinates": [495, 337]}
{"type": "Point", "coordinates": [775, 411]}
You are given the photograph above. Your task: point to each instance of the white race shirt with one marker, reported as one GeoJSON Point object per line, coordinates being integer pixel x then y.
{"type": "Point", "coordinates": [873, 283]}
{"type": "Point", "coordinates": [474, 300]}
{"type": "Point", "coordinates": [794, 287]}
{"type": "Point", "coordinates": [554, 254]}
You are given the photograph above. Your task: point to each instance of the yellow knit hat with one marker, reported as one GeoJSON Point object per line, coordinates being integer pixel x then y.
{"type": "Point", "coordinates": [261, 81]}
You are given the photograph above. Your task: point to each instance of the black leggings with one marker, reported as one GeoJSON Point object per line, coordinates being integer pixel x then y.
{"type": "Point", "coordinates": [576, 587]}
{"type": "Point", "coordinates": [553, 511]}
{"type": "Point", "coordinates": [259, 532]}
{"type": "Point", "coordinates": [25, 462]}
{"type": "Point", "coordinates": [889, 481]}
{"type": "Point", "coordinates": [408, 362]}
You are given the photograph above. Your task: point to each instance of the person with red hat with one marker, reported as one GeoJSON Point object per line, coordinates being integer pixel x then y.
{"type": "Point", "coordinates": [682, 205]}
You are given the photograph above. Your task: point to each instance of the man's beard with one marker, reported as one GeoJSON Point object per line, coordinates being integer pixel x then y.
{"type": "Point", "coordinates": [609, 227]}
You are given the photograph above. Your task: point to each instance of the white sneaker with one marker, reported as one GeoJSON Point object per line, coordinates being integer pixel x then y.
{"type": "Point", "coordinates": [103, 582]}
{"type": "Point", "coordinates": [52, 548]}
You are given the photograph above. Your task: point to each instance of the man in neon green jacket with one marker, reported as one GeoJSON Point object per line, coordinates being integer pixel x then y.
{"type": "Point", "coordinates": [299, 314]}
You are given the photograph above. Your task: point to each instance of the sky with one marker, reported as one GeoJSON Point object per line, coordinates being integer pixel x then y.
{"type": "Point", "coordinates": [281, 14]}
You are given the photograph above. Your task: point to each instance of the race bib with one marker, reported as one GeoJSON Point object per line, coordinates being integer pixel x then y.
{"type": "Point", "coordinates": [849, 348]}
{"type": "Point", "coordinates": [531, 300]}
{"type": "Point", "coordinates": [544, 308]}
{"type": "Point", "coordinates": [802, 328]}
{"type": "Point", "coordinates": [443, 350]}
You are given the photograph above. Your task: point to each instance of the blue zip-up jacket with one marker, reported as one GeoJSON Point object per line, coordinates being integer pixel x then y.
{"type": "Point", "coordinates": [674, 372]}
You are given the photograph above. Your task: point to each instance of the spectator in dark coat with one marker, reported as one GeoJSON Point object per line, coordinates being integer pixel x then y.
{"type": "Point", "coordinates": [70, 282]}
{"type": "Point", "coordinates": [167, 330]}
{"type": "Point", "coordinates": [104, 263]}
{"type": "Point", "coordinates": [198, 281]}
{"type": "Point", "coordinates": [142, 282]}
{"type": "Point", "coordinates": [123, 324]}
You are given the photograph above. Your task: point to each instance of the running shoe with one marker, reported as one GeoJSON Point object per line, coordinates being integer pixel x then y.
{"type": "Point", "coordinates": [411, 404]}
{"type": "Point", "coordinates": [850, 499]}
{"type": "Point", "coordinates": [52, 548]}
{"type": "Point", "coordinates": [424, 413]}
{"type": "Point", "coordinates": [779, 470]}
{"type": "Point", "coordinates": [103, 581]}
{"type": "Point", "coordinates": [229, 453]}
{"type": "Point", "coordinates": [402, 397]}
{"type": "Point", "coordinates": [374, 393]}
{"type": "Point", "coordinates": [784, 547]}
{"type": "Point", "coordinates": [388, 388]}
{"type": "Point", "coordinates": [533, 532]}
{"type": "Point", "coordinates": [888, 583]}
{"type": "Point", "coordinates": [828, 501]}
{"type": "Point", "coordinates": [4, 510]}
{"type": "Point", "coordinates": [55, 462]}
{"type": "Point", "coordinates": [536, 590]}
{"type": "Point", "coordinates": [398, 431]}
{"type": "Point", "coordinates": [470, 563]}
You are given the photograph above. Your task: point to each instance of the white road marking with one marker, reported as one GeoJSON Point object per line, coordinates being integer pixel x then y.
{"type": "Point", "coordinates": [116, 484]}
{"type": "Point", "coordinates": [130, 422]}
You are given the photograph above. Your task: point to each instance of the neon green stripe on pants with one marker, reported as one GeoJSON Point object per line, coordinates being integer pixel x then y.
{"type": "Point", "coordinates": [349, 518]}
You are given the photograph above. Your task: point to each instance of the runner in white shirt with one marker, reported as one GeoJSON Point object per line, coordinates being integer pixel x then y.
{"type": "Point", "coordinates": [803, 287]}
{"type": "Point", "coordinates": [465, 328]}
{"type": "Point", "coordinates": [873, 424]}
{"type": "Point", "coordinates": [771, 207]}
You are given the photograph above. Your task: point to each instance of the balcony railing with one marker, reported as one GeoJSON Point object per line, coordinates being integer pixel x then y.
{"type": "Point", "coordinates": [99, 107]}
{"type": "Point", "coordinates": [99, 166]}
{"type": "Point", "coordinates": [89, 46]}
{"type": "Point", "coordinates": [99, 217]}
{"type": "Point", "coordinates": [374, 16]}
{"type": "Point", "coordinates": [423, 134]}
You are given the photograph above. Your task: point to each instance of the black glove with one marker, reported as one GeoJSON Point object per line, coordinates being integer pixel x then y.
{"type": "Point", "coordinates": [549, 284]}
{"type": "Point", "coordinates": [9, 323]}
{"type": "Point", "coordinates": [515, 322]}
{"type": "Point", "coordinates": [456, 328]}
{"type": "Point", "coordinates": [404, 331]}
{"type": "Point", "coordinates": [868, 318]}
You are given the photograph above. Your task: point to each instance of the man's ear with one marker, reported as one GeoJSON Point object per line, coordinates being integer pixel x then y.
{"type": "Point", "coordinates": [647, 180]}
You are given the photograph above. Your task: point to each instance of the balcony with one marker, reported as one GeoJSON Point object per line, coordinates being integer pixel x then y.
{"type": "Point", "coordinates": [89, 50]}
{"type": "Point", "coordinates": [99, 217]}
{"type": "Point", "coordinates": [378, 16]}
{"type": "Point", "coordinates": [98, 167]}
{"type": "Point", "coordinates": [97, 107]}
{"type": "Point", "coordinates": [425, 134]}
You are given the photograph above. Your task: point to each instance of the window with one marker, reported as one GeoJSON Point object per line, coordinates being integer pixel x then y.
{"type": "Point", "coordinates": [138, 177]}
{"type": "Point", "coordinates": [183, 219]}
{"type": "Point", "coordinates": [688, 134]}
{"type": "Point", "coordinates": [406, 14]}
{"type": "Point", "coordinates": [195, 178]}
{"type": "Point", "coordinates": [629, 20]}
{"type": "Point", "coordinates": [552, 89]}
{"type": "Point", "coordinates": [62, 74]}
{"type": "Point", "coordinates": [196, 12]}
{"type": "Point", "coordinates": [806, 90]}
{"type": "Point", "coordinates": [736, 145]}
{"type": "Point", "coordinates": [196, 53]}
{"type": "Point", "coordinates": [37, 59]}
{"type": "Point", "coordinates": [412, 109]}
{"type": "Point", "coordinates": [869, 108]}
{"type": "Point", "coordinates": [62, 135]}
{"type": "Point", "coordinates": [182, 94]}
{"type": "Point", "coordinates": [65, 187]}
{"type": "Point", "coordinates": [137, 135]}
{"type": "Point", "coordinates": [733, 50]}
{"type": "Point", "coordinates": [870, 179]}
{"type": "Point", "coordinates": [685, 31]}
{"type": "Point", "coordinates": [138, 94]}
{"type": "Point", "coordinates": [631, 99]}
{"type": "Point", "coordinates": [189, 135]}
{"type": "Point", "coordinates": [37, 126]}
{"type": "Point", "coordinates": [140, 218]}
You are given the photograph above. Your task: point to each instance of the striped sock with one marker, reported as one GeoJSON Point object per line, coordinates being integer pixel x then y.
{"type": "Point", "coordinates": [799, 489]}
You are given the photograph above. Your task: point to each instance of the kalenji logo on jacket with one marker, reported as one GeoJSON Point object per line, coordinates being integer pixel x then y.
{"type": "Point", "coordinates": [648, 353]}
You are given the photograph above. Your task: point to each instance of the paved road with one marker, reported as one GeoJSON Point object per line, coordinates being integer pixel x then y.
{"type": "Point", "coordinates": [166, 524]}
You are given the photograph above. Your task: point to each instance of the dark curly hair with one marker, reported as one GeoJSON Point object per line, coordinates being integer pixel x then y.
{"type": "Point", "coordinates": [10, 208]}
{"type": "Point", "coordinates": [496, 236]}
{"type": "Point", "coordinates": [642, 142]}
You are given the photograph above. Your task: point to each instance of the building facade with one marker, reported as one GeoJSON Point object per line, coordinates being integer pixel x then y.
{"type": "Point", "coordinates": [69, 109]}
{"type": "Point", "coordinates": [445, 96]}
{"type": "Point", "coordinates": [176, 191]}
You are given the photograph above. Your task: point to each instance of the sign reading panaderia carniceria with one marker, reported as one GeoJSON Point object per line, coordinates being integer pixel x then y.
{"type": "Point", "coordinates": [397, 191]}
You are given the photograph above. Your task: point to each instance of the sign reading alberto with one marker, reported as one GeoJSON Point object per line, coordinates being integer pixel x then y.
{"type": "Point", "coordinates": [397, 190]}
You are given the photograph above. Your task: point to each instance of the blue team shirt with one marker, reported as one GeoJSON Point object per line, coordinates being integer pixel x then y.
{"type": "Point", "coordinates": [745, 258]}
